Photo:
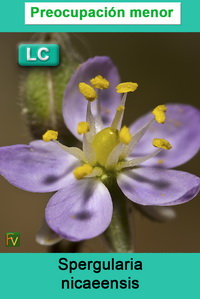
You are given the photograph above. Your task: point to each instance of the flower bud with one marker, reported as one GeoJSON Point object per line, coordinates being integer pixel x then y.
{"type": "Point", "coordinates": [42, 88]}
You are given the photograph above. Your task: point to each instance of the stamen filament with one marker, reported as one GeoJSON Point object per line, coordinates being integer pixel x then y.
{"type": "Point", "coordinates": [74, 151]}
{"type": "Point", "coordinates": [127, 150]}
{"type": "Point", "coordinates": [113, 158]}
{"type": "Point", "coordinates": [96, 172]}
{"type": "Point", "coordinates": [89, 151]}
{"type": "Point", "coordinates": [98, 116]}
{"type": "Point", "coordinates": [117, 121]}
{"type": "Point", "coordinates": [137, 161]}
{"type": "Point", "coordinates": [90, 119]}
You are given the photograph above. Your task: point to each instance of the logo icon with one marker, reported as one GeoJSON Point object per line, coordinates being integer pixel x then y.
{"type": "Point", "coordinates": [12, 239]}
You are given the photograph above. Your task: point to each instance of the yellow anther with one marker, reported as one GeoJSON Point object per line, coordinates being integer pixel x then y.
{"type": "Point", "coordinates": [50, 135]}
{"type": "Point", "coordinates": [159, 113]}
{"type": "Point", "coordinates": [161, 108]}
{"type": "Point", "coordinates": [88, 92]}
{"type": "Point", "coordinates": [125, 135]}
{"type": "Point", "coordinates": [83, 127]}
{"type": "Point", "coordinates": [161, 143]}
{"type": "Point", "coordinates": [126, 87]}
{"type": "Point", "coordinates": [120, 108]}
{"type": "Point", "coordinates": [100, 82]}
{"type": "Point", "coordinates": [82, 171]}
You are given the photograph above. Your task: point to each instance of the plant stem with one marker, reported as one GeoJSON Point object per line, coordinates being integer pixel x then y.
{"type": "Point", "coordinates": [118, 236]}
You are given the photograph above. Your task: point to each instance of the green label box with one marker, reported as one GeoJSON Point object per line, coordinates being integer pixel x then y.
{"type": "Point", "coordinates": [38, 54]}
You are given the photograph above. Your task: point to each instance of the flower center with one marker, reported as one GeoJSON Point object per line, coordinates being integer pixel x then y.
{"type": "Point", "coordinates": [103, 144]}
{"type": "Point", "coordinates": [105, 153]}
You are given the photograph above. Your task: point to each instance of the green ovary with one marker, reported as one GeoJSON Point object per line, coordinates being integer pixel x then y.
{"type": "Point", "coordinates": [103, 144]}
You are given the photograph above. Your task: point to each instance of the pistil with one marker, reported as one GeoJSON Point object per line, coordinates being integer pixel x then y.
{"type": "Point", "coordinates": [104, 142]}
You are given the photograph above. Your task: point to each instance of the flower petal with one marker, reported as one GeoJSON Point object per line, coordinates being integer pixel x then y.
{"type": "Point", "coordinates": [158, 213]}
{"type": "Point", "coordinates": [74, 104]}
{"type": "Point", "coordinates": [46, 236]}
{"type": "Point", "coordinates": [81, 211]}
{"type": "Point", "coordinates": [38, 167]}
{"type": "Point", "coordinates": [159, 187]}
{"type": "Point", "coordinates": [181, 129]}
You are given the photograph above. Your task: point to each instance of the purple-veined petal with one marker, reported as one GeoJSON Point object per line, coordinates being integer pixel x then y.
{"type": "Point", "coordinates": [74, 103]}
{"type": "Point", "coordinates": [37, 167]}
{"type": "Point", "coordinates": [82, 210]}
{"type": "Point", "coordinates": [160, 187]}
{"type": "Point", "coordinates": [181, 129]}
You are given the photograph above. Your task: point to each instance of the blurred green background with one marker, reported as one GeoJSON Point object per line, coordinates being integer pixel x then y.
{"type": "Point", "coordinates": [167, 68]}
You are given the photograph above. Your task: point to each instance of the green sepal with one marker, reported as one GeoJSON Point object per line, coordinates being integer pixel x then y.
{"type": "Point", "coordinates": [42, 88]}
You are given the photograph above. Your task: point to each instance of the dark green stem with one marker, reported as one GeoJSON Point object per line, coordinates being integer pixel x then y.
{"type": "Point", "coordinates": [118, 236]}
